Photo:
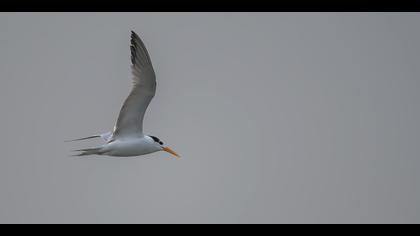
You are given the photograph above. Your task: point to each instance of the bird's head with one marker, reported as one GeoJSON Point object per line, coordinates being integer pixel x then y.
{"type": "Point", "coordinates": [160, 146]}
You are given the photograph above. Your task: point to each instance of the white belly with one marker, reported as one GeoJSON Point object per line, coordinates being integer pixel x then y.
{"type": "Point", "coordinates": [127, 148]}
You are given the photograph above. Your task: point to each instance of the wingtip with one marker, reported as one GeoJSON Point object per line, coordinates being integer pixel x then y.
{"type": "Point", "coordinates": [133, 34]}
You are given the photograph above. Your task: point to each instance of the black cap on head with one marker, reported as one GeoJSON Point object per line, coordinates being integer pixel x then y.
{"type": "Point", "coordinates": [157, 140]}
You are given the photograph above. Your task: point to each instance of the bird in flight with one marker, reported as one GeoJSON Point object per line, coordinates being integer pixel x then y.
{"type": "Point", "coordinates": [127, 139]}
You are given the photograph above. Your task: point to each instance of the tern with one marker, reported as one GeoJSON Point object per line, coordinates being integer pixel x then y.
{"type": "Point", "coordinates": [127, 138]}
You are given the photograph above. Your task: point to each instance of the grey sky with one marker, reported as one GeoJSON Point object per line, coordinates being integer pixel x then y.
{"type": "Point", "coordinates": [279, 117]}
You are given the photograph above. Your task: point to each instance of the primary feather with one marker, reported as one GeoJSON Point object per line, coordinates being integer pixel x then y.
{"type": "Point", "coordinates": [130, 119]}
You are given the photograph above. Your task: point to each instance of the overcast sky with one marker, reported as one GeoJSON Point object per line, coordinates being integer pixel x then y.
{"type": "Point", "coordinates": [279, 118]}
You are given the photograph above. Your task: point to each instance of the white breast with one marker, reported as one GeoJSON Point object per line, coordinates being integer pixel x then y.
{"type": "Point", "coordinates": [130, 147]}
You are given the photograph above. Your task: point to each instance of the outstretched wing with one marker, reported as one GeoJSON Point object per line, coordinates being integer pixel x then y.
{"type": "Point", "coordinates": [130, 119]}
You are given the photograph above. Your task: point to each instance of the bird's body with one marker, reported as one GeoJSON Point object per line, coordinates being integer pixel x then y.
{"type": "Point", "coordinates": [127, 138]}
{"type": "Point", "coordinates": [129, 147]}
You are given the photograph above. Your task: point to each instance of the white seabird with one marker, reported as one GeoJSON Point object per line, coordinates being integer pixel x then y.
{"type": "Point", "coordinates": [127, 138]}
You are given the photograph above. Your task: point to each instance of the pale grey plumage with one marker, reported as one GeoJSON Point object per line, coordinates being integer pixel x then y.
{"type": "Point", "coordinates": [130, 119]}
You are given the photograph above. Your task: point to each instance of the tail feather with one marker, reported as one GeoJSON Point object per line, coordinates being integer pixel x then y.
{"type": "Point", "coordinates": [90, 137]}
{"type": "Point", "coordinates": [88, 151]}
{"type": "Point", "coordinates": [105, 137]}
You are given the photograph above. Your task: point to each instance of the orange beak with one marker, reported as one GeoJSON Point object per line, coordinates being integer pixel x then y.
{"type": "Point", "coordinates": [167, 149]}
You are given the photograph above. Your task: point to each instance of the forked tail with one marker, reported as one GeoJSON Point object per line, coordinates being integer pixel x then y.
{"type": "Point", "coordinates": [89, 151]}
{"type": "Point", "coordinates": [105, 137]}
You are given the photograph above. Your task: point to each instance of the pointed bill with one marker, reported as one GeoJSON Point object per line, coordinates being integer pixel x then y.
{"type": "Point", "coordinates": [167, 149]}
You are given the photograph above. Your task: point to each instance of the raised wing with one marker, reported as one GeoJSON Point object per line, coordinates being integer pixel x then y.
{"type": "Point", "coordinates": [130, 119]}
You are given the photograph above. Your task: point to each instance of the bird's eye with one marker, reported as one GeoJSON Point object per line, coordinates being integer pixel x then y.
{"type": "Point", "coordinates": [157, 140]}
